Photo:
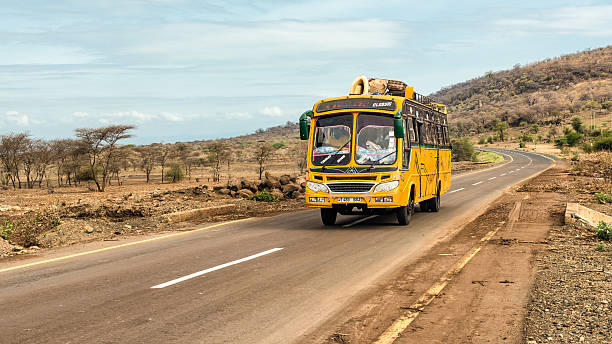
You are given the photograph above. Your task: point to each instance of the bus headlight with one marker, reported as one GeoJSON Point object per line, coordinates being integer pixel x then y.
{"type": "Point", "coordinates": [316, 187]}
{"type": "Point", "coordinates": [386, 187]}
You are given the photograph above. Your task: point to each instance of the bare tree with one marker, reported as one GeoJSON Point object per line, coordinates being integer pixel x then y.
{"type": "Point", "coordinates": [148, 157]}
{"type": "Point", "coordinates": [12, 147]}
{"type": "Point", "coordinates": [262, 156]}
{"type": "Point", "coordinates": [101, 146]}
{"type": "Point", "coordinates": [164, 153]}
{"type": "Point", "coordinates": [217, 155]}
{"type": "Point", "coordinates": [35, 160]}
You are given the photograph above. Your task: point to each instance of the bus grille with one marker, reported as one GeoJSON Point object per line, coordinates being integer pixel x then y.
{"type": "Point", "coordinates": [350, 187]}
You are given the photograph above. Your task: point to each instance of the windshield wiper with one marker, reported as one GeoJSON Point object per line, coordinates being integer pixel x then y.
{"type": "Point", "coordinates": [377, 161]}
{"type": "Point", "coordinates": [333, 155]}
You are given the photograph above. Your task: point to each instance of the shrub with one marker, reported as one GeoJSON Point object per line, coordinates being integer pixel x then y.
{"type": "Point", "coordinates": [575, 157]}
{"type": "Point", "coordinates": [577, 124]}
{"type": "Point", "coordinates": [6, 230]}
{"type": "Point", "coordinates": [84, 174]}
{"type": "Point", "coordinates": [603, 198]}
{"type": "Point", "coordinates": [522, 144]}
{"type": "Point", "coordinates": [263, 196]}
{"type": "Point", "coordinates": [604, 143]}
{"type": "Point", "coordinates": [463, 150]}
{"type": "Point", "coordinates": [601, 246]}
{"type": "Point", "coordinates": [573, 138]}
{"type": "Point", "coordinates": [279, 145]}
{"type": "Point", "coordinates": [482, 141]}
{"type": "Point", "coordinates": [490, 139]}
{"type": "Point", "coordinates": [603, 231]}
{"type": "Point", "coordinates": [175, 172]}
{"type": "Point", "coordinates": [587, 148]}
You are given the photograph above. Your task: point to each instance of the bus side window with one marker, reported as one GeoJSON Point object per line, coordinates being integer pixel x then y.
{"type": "Point", "coordinates": [419, 131]}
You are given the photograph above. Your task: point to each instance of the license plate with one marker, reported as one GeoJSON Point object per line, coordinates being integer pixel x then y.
{"type": "Point", "coordinates": [349, 199]}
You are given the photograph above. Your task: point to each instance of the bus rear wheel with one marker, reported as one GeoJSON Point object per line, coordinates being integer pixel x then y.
{"type": "Point", "coordinates": [404, 214]}
{"type": "Point", "coordinates": [434, 203]}
{"type": "Point", "coordinates": [328, 216]}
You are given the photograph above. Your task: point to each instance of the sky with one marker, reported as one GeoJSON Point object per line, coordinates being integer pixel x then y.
{"type": "Point", "coordinates": [183, 70]}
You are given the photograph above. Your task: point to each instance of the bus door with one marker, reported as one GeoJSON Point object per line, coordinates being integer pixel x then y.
{"type": "Point", "coordinates": [438, 143]}
{"type": "Point", "coordinates": [421, 158]}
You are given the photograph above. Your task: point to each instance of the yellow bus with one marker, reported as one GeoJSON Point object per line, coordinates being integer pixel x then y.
{"type": "Point", "coordinates": [374, 153]}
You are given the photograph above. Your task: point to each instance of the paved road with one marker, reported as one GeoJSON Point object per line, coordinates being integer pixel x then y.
{"type": "Point", "coordinates": [273, 297]}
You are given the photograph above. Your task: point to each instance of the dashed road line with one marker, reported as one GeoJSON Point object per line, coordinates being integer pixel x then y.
{"type": "Point", "coordinates": [491, 178]}
{"type": "Point", "coordinates": [120, 245]}
{"type": "Point", "coordinates": [450, 192]}
{"type": "Point", "coordinates": [477, 183]}
{"type": "Point", "coordinates": [215, 268]}
{"type": "Point", "coordinates": [503, 174]}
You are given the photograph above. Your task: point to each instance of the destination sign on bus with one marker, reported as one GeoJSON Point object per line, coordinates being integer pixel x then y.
{"type": "Point", "coordinates": [357, 103]}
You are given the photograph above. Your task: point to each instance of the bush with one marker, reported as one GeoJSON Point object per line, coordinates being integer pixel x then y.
{"type": "Point", "coordinates": [490, 139]}
{"type": "Point", "coordinates": [577, 124]}
{"type": "Point", "coordinates": [6, 230]}
{"type": "Point", "coordinates": [603, 231]}
{"type": "Point", "coordinates": [463, 150]}
{"type": "Point", "coordinates": [573, 138]}
{"type": "Point", "coordinates": [522, 144]}
{"type": "Point", "coordinates": [603, 198]}
{"type": "Point", "coordinates": [279, 145]}
{"type": "Point", "coordinates": [604, 143]}
{"type": "Point", "coordinates": [175, 172]}
{"type": "Point", "coordinates": [482, 141]}
{"type": "Point", "coordinates": [84, 174]}
{"type": "Point", "coordinates": [263, 196]}
{"type": "Point", "coordinates": [601, 246]}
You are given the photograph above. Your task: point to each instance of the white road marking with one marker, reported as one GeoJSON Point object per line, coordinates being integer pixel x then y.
{"type": "Point", "coordinates": [477, 183]}
{"type": "Point", "coordinates": [359, 221]}
{"type": "Point", "coordinates": [511, 172]}
{"type": "Point", "coordinates": [503, 174]}
{"type": "Point", "coordinates": [218, 267]}
{"type": "Point", "coordinates": [492, 178]}
{"type": "Point", "coordinates": [450, 192]}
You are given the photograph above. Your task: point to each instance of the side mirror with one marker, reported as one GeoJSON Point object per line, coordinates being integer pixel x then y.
{"type": "Point", "coordinates": [398, 126]}
{"type": "Point", "coordinates": [304, 125]}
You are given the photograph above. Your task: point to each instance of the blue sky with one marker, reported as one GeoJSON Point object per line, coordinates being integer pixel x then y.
{"type": "Point", "coordinates": [188, 70]}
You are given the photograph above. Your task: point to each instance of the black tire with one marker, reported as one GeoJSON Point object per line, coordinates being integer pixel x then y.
{"type": "Point", "coordinates": [424, 206]}
{"type": "Point", "coordinates": [404, 214]}
{"type": "Point", "coordinates": [434, 203]}
{"type": "Point", "coordinates": [328, 216]}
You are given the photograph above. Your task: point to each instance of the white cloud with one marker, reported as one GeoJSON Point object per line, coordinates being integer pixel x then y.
{"type": "Point", "coordinates": [199, 41]}
{"type": "Point", "coordinates": [238, 115]}
{"type": "Point", "coordinates": [80, 114]}
{"type": "Point", "coordinates": [271, 111]}
{"type": "Point", "coordinates": [587, 20]}
{"type": "Point", "coordinates": [173, 117]}
{"type": "Point", "coordinates": [17, 118]}
{"type": "Point", "coordinates": [19, 53]}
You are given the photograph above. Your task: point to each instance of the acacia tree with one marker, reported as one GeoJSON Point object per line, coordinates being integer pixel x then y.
{"type": "Point", "coordinates": [218, 153]}
{"type": "Point", "coordinates": [262, 156]}
{"type": "Point", "coordinates": [164, 153]}
{"type": "Point", "coordinates": [35, 159]}
{"type": "Point", "coordinates": [12, 147]}
{"type": "Point", "coordinates": [148, 156]}
{"type": "Point", "coordinates": [101, 144]}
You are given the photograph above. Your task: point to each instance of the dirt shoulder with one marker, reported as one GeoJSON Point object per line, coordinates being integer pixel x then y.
{"type": "Point", "coordinates": [536, 280]}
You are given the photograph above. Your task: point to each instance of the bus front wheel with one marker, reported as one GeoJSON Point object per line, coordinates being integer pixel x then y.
{"type": "Point", "coordinates": [404, 214]}
{"type": "Point", "coordinates": [328, 216]}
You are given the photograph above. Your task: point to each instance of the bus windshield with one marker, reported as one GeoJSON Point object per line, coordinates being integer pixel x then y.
{"type": "Point", "coordinates": [375, 140]}
{"type": "Point", "coordinates": [332, 134]}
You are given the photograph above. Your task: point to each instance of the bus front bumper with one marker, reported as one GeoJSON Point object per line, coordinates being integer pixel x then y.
{"type": "Point", "coordinates": [369, 201]}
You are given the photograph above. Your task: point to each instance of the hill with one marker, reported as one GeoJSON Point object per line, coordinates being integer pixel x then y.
{"type": "Point", "coordinates": [549, 93]}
